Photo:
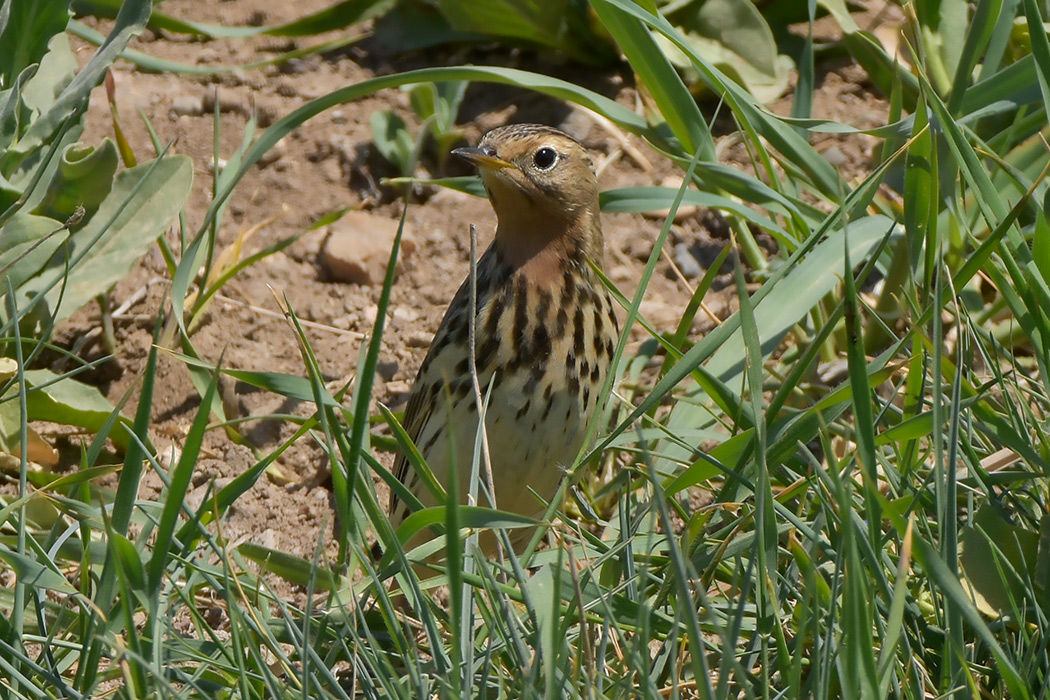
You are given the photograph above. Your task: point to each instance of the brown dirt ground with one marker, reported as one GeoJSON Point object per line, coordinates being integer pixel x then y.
{"type": "Point", "coordinates": [329, 164]}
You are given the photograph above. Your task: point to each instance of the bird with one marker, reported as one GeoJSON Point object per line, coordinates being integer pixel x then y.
{"type": "Point", "coordinates": [545, 333]}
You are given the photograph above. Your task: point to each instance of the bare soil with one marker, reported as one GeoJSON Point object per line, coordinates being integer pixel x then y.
{"type": "Point", "coordinates": [329, 164]}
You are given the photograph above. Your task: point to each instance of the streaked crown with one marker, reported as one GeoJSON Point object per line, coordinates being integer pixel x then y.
{"type": "Point", "coordinates": [539, 179]}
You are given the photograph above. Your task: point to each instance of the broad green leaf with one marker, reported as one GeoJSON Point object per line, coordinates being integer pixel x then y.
{"type": "Point", "coordinates": [393, 141]}
{"type": "Point", "coordinates": [1014, 86]}
{"type": "Point", "coordinates": [29, 164]}
{"type": "Point", "coordinates": [57, 399]}
{"type": "Point", "coordinates": [31, 572]}
{"type": "Point", "coordinates": [27, 242]}
{"type": "Point", "coordinates": [13, 113]}
{"type": "Point", "coordinates": [130, 21]}
{"type": "Point", "coordinates": [1041, 245]}
{"type": "Point", "coordinates": [947, 585]}
{"type": "Point", "coordinates": [807, 282]}
{"type": "Point", "coordinates": [1040, 47]}
{"type": "Point", "coordinates": [732, 35]}
{"type": "Point", "coordinates": [30, 27]}
{"type": "Point", "coordinates": [943, 24]}
{"type": "Point", "coordinates": [437, 104]}
{"type": "Point", "coordinates": [129, 559]}
{"type": "Point", "coordinates": [415, 26]}
{"type": "Point", "coordinates": [144, 200]}
{"type": "Point", "coordinates": [539, 22]}
{"type": "Point", "coordinates": [469, 516]}
{"type": "Point", "coordinates": [295, 569]}
{"type": "Point", "coordinates": [999, 560]}
{"type": "Point", "coordinates": [57, 68]}
{"type": "Point", "coordinates": [55, 483]}
{"type": "Point", "coordinates": [541, 590]}
{"type": "Point", "coordinates": [38, 451]}
{"type": "Point", "coordinates": [83, 179]}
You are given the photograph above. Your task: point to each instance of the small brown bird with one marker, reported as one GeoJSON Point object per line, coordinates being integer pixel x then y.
{"type": "Point", "coordinates": [545, 330]}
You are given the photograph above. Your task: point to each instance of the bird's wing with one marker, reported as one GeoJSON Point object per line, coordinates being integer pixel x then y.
{"type": "Point", "coordinates": [429, 381]}
{"type": "Point", "coordinates": [445, 353]}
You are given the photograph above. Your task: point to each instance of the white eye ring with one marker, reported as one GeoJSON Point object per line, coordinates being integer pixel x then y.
{"type": "Point", "coordinates": [545, 158]}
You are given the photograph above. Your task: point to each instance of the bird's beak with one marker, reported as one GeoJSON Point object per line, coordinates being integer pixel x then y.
{"type": "Point", "coordinates": [482, 158]}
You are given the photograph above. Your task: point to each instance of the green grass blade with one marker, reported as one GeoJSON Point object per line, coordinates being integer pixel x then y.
{"type": "Point", "coordinates": [178, 484]}
{"type": "Point", "coordinates": [753, 120]}
{"type": "Point", "coordinates": [673, 99]}
{"type": "Point", "coordinates": [1040, 50]}
{"type": "Point", "coordinates": [130, 475]}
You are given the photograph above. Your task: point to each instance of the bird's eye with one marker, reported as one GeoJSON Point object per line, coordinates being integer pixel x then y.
{"type": "Point", "coordinates": [545, 158]}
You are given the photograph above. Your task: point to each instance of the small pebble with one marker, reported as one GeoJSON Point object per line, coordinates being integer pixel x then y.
{"type": "Point", "coordinates": [620, 273]}
{"type": "Point", "coordinates": [207, 55]}
{"type": "Point", "coordinates": [386, 370]}
{"type": "Point", "coordinates": [686, 262]}
{"type": "Point", "coordinates": [274, 154]}
{"type": "Point", "coordinates": [269, 539]}
{"type": "Point", "coordinates": [187, 105]}
{"type": "Point", "coordinates": [294, 66]}
{"type": "Point", "coordinates": [229, 101]}
{"type": "Point", "coordinates": [398, 388]}
{"type": "Point", "coordinates": [835, 157]}
{"type": "Point", "coordinates": [406, 315]}
{"type": "Point", "coordinates": [419, 339]}
{"type": "Point", "coordinates": [357, 248]}
{"type": "Point", "coordinates": [169, 457]}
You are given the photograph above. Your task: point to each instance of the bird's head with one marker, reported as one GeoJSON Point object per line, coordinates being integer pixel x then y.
{"type": "Point", "coordinates": [541, 183]}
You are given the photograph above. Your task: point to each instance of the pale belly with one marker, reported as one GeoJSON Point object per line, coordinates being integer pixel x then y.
{"type": "Point", "coordinates": [530, 446]}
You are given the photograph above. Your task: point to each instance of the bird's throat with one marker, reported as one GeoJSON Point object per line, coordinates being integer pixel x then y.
{"type": "Point", "coordinates": [542, 254]}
